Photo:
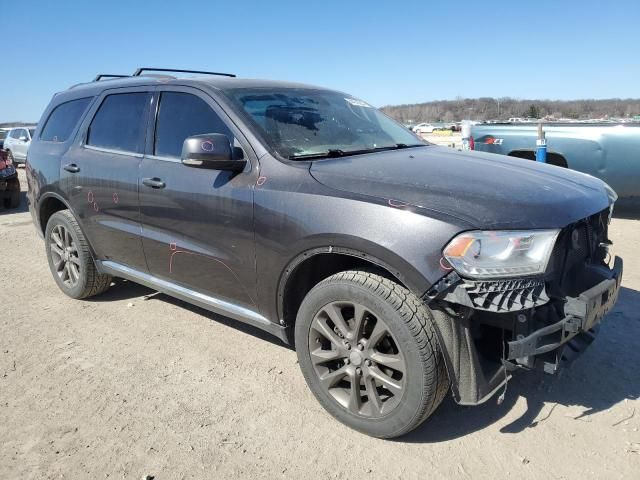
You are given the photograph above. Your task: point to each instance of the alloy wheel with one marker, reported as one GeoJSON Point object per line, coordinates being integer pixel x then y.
{"type": "Point", "coordinates": [64, 253]}
{"type": "Point", "coordinates": [356, 358]}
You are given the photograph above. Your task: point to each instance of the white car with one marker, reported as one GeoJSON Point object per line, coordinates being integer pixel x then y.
{"type": "Point", "coordinates": [17, 143]}
{"type": "Point", "coordinates": [422, 128]}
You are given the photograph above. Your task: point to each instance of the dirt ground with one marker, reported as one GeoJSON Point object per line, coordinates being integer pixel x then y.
{"type": "Point", "coordinates": [123, 387]}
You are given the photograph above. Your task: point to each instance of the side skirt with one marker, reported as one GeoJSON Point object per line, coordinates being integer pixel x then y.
{"type": "Point", "coordinates": [212, 304]}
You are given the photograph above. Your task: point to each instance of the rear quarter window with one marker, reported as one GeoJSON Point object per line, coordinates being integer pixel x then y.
{"type": "Point", "coordinates": [63, 120]}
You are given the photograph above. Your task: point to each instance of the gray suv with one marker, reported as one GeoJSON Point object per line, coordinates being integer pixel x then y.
{"type": "Point", "coordinates": [17, 143]}
{"type": "Point", "coordinates": [397, 269]}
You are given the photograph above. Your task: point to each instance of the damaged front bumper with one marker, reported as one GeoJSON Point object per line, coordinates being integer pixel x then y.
{"type": "Point", "coordinates": [583, 313]}
{"type": "Point", "coordinates": [545, 332]}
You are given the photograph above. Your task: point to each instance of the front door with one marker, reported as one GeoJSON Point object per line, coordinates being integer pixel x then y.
{"type": "Point", "coordinates": [103, 174]}
{"type": "Point", "coordinates": [197, 223]}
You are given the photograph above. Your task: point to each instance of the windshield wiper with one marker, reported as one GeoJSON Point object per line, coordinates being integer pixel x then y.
{"type": "Point", "coordinates": [399, 146]}
{"type": "Point", "coordinates": [332, 153]}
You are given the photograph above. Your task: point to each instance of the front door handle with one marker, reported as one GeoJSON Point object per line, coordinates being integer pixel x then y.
{"type": "Point", "coordinates": [154, 182]}
{"type": "Point", "coordinates": [72, 167]}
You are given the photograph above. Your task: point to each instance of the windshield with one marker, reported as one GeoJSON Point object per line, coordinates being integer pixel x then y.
{"type": "Point", "coordinates": [302, 123]}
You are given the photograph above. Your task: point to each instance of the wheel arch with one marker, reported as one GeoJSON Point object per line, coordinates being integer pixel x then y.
{"type": "Point", "coordinates": [553, 158]}
{"type": "Point", "coordinates": [311, 266]}
{"type": "Point", "coordinates": [49, 204]}
{"type": "Point", "coordinates": [52, 202]}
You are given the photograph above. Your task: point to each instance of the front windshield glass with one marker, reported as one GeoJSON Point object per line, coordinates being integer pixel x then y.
{"type": "Point", "coordinates": [299, 123]}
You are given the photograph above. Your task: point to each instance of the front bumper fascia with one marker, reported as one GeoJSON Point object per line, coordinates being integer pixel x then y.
{"type": "Point", "coordinates": [549, 346]}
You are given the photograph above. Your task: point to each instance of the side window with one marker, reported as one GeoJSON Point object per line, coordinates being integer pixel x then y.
{"type": "Point", "coordinates": [119, 123]}
{"type": "Point", "coordinates": [63, 120]}
{"type": "Point", "coordinates": [182, 115]}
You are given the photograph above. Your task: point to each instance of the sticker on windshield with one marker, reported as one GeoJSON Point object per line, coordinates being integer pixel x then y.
{"type": "Point", "coordinates": [358, 103]}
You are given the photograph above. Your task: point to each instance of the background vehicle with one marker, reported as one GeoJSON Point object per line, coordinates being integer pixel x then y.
{"type": "Point", "coordinates": [17, 143]}
{"type": "Point", "coordinates": [422, 128]}
{"type": "Point", "coordinates": [608, 151]}
{"type": "Point", "coordinates": [3, 135]}
{"type": "Point", "coordinates": [395, 267]}
{"type": "Point", "coordinates": [9, 183]}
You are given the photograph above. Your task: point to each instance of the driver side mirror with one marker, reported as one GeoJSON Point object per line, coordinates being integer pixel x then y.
{"type": "Point", "coordinates": [23, 138]}
{"type": "Point", "coordinates": [211, 150]}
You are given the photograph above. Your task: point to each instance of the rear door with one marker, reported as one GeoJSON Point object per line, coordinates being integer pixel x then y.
{"type": "Point", "coordinates": [197, 224]}
{"type": "Point", "coordinates": [104, 169]}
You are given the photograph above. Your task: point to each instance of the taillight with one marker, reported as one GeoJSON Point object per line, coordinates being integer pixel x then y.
{"type": "Point", "coordinates": [472, 143]}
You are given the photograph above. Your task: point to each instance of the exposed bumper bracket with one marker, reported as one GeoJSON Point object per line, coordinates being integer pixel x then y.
{"type": "Point", "coordinates": [582, 314]}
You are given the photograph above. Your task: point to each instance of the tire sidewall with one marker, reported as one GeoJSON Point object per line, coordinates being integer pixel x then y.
{"type": "Point", "coordinates": [410, 406]}
{"type": "Point", "coordinates": [60, 218]}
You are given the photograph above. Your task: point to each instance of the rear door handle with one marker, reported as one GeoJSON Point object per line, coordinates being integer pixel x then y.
{"type": "Point", "coordinates": [72, 167]}
{"type": "Point", "coordinates": [154, 182]}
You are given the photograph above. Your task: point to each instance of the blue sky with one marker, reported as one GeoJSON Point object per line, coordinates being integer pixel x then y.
{"type": "Point", "coordinates": [386, 52]}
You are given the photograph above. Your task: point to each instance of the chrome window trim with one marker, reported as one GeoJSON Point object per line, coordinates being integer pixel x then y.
{"type": "Point", "coordinates": [113, 151]}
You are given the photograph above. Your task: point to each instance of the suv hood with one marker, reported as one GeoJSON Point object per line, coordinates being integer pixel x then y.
{"type": "Point", "coordinates": [484, 190]}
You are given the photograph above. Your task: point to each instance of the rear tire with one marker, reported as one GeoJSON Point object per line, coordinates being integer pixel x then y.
{"type": "Point", "coordinates": [12, 201]}
{"type": "Point", "coordinates": [70, 258]}
{"type": "Point", "coordinates": [368, 351]}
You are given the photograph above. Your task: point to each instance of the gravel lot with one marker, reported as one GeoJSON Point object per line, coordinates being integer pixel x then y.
{"type": "Point", "coordinates": [125, 386]}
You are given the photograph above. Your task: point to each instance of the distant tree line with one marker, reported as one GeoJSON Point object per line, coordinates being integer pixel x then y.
{"type": "Point", "coordinates": [16, 124]}
{"type": "Point", "coordinates": [488, 108]}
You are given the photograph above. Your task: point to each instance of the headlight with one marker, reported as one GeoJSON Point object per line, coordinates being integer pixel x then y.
{"type": "Point", "coordinates": [495, 254]}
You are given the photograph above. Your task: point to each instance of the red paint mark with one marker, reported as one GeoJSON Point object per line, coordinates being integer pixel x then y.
{"type": "Point", "coordinates": [444, 264]}
{"type": "Point", "coordinates": [207, 146]}
{"type": "Point", "coordinates": [116, 199]}
{"type": "Point", "coordinates": [397, 203]}
{"type": "Point", "coordinates": [261, 181]}
{"type": "Point", "coordinates": [95, 206]}
{"type": "Point", "coordinates": [90, 197]}
{"type": "Point", "coordinates": [175, 252]}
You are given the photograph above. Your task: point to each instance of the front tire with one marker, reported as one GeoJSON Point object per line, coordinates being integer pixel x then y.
{"type": "Point", "coordinates": [70, 259]}
{"type": "Point", "coordinates": [368, 351]}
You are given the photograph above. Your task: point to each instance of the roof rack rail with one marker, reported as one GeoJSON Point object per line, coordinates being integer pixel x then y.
{"type": "Point", "coordinates": [107, 75]}
{"type": "Point", "coordinates": [139, 71]}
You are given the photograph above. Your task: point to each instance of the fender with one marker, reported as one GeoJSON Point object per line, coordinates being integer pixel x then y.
{"type": "Point", "coordinates": [401, 270]}
{"type": "Point", "coordinates": [41, 228]}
